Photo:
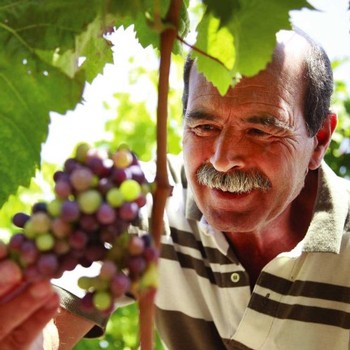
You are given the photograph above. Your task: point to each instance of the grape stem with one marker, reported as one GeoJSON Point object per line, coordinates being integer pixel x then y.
{"type": "Point", "coordinates": [163, 188]}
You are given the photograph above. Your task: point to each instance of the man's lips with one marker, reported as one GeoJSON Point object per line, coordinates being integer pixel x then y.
{"type": "Point", "coordinates": [231, 195]}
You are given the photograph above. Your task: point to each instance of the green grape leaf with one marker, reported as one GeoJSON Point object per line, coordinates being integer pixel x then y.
{"type": "Point", "coordinates": [244, 45]}
{"type": "Point", "coordinates": [47, 24]}
{"type": "Point", "coordinates": [29, 90]}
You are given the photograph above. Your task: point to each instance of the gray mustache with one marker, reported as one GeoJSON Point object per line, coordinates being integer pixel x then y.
{"type": "Point", "coordinates": [237, 181]}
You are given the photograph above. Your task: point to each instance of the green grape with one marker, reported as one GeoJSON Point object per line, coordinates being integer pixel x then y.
{"type": "Point", "coordinates": [89, 201]}
{"type": "Point", "coordinates": [102, 300]}
{"type": "Point", "coordinates": [115, 198]}
{"type": "Point", "coordinates": [40, 222]}
{"type": "Point", "coordinates": [29, 230]}
{"type": "Point", "coordinates": [130, 189]}
{"type": "Point", "coordinates": [81, 152]}
{"type": "Point", "coordinates": [54, 207]}
{"type": "Point", "coordinates": [45, 242]}
{"type": "Point", "coordinates": [85, 282]}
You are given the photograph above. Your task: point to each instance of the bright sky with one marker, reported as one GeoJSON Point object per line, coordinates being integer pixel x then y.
{"type": "Point", "coordinates": [330, 27]}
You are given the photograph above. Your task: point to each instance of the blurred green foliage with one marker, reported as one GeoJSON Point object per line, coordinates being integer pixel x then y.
{"type": "Point", "coordinates": [338, 155]}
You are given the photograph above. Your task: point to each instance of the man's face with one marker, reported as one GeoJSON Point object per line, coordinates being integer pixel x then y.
{"type": "Point", "coordinates": [257, 127]}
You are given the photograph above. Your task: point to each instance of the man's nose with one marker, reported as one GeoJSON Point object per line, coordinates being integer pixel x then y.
{"type": "Point", "coordinates": [229, 152]}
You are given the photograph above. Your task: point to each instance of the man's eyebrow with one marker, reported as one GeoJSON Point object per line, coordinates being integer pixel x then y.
{"type": "Point", "coordinates": [199, 115]}
{"type": "Point", "coordinates": [268, 121]}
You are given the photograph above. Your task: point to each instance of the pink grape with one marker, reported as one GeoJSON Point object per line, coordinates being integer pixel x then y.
{"type": "Point", "coordinates": [120, 284]}
{"type": "Point", "coordinates": [122, 158]}
{"type": "Point", "coordinates": [136, 245]}
{"type": "Point", "coordinates": [63, 189]}
{"type": "Point", "coordinates": [60, 228]}
{"type": "Point", "coordinates": [108, 270]}
{"type": "Point", "coordinates": [81, 179]}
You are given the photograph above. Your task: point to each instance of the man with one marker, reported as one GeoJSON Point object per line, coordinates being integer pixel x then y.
{"type": "Point", "coordinates": [255, 251]}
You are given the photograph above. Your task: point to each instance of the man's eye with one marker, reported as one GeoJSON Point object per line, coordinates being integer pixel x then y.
{"type": "Point", "coordinates": [204, 129]}
{"type": "Point", "coordinates": [257, 132]}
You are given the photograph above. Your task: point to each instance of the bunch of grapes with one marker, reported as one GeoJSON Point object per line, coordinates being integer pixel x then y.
{"type": "Point", "coordinates": [97, 197]}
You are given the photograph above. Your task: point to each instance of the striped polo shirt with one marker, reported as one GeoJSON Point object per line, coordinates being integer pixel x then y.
{"type": "Point", "coordinates": [301, 299]}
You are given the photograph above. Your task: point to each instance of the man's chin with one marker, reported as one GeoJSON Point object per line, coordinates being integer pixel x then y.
{"type": "Point", "coordinates": [231, 223]}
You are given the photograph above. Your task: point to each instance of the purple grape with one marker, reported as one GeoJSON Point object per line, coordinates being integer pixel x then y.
{"type": "Point", "coordinates": [136, 265]}
{"type": "Point", "coordinates": [70, 164]}
{"type": "Point", "coordinates": [39, 207]}
{"type": "Point", "coordinates": [60, 175]}
{"type": "Point", "coordinates": [150, 254]}
{"type": "Point", "coordinates": [70, 211]}
{"type": "Point", "coordinates": [86, 302]}
{"type": "Point", "coordinates": [106, 214]}
{"type": "Point", "coordinates": [98, 166]}
{"type": "Point", "coordinates": [47, 265]}
{"type": "Point", "coordinates": [28, 252]}
{"type": "Point", "coordinates": [88, 222]}
{"type": "Point", "coordinates": [95, 252]}
{"type": "Point", "coordinates": [105, 185]}
{"type": "Point", "coordinates": [16, 241]}
{"type": "Point", "coordinates": [78, 239]}
{"type": "Point", "coordinates": [137, 174]}
{"type": "Point", "coordinates": [128, 211]}
{"type": "Point", "coordinates": [20, 219]}
{"type": "Point", "coordinates": [68, 262]}
{"type": "Point", "coordinates": [119, 175]}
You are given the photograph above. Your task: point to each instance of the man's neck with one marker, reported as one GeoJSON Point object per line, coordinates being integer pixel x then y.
{"type": "Point", "coordinates": [255, 249]}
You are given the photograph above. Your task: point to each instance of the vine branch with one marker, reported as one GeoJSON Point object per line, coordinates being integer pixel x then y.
{"type": "Point", "coordinates": [163, 188]}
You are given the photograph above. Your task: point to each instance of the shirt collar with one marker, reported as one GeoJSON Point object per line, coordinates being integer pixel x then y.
{"type": "Point", "coordinates": [331, 211]}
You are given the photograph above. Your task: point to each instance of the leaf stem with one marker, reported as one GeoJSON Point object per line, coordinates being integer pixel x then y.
{"type": "Point", "coordinates": [194, 48]}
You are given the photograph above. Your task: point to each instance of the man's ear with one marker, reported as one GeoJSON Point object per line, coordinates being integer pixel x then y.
{"type": "Point", "coordinates": [322, 140]}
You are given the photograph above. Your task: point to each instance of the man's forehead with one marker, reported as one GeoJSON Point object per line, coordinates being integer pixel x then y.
{"type": "Point", "coordinates": [287, 64]}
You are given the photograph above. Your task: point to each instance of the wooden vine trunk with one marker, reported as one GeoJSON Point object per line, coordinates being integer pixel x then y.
{"type": "Point", "coordinates": [163, 189]}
